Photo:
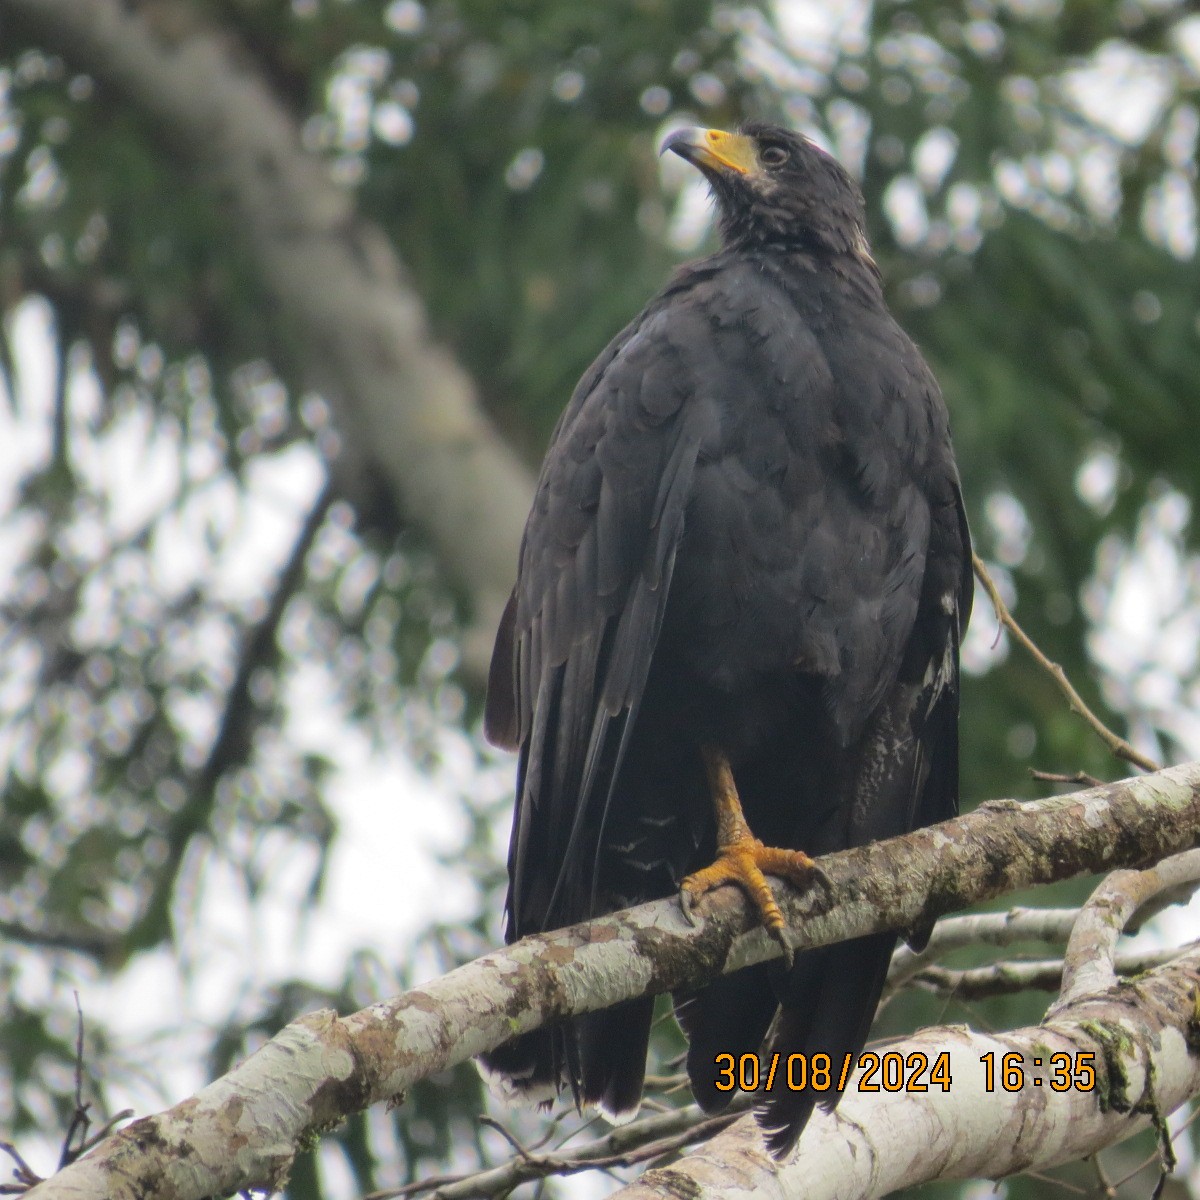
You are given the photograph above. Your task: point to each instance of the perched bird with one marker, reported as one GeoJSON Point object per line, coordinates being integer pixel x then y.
{"type": "Point", "coordinates": [738, 608]}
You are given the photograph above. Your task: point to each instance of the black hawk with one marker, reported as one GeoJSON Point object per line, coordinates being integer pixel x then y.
{"type": "Point", "coordinates": [738, 607]}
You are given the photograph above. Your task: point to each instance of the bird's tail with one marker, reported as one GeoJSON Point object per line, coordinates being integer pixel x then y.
{"type": "Point", "coordinates": [599, 1057]}
{"type": "Point", "coordinates": [729, 1016]}
{"type": "Point", "coordinates": [829, 1004]}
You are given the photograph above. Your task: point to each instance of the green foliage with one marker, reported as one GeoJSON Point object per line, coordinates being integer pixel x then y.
{"type": "Point", "coordinates": [509, 152]}
{"type": "Point", "coordinates": [527, 203]}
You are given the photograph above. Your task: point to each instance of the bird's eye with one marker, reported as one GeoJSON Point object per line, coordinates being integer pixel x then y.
{"type": "Point", "coordinates": [773, 156]}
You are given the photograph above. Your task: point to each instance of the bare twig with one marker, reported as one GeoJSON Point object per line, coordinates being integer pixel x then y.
{"type": "Point", "coordinates": [665, 1083]}
{"type": "Point", "coordinates": [80, 1121]}
{"type": "Point", "coordinates": [1157, 1155]}
{"type": "Point", "coordinates": [83, 940]}
{"type": "Point", "coordinates": [1117, 744]}
{"type": "Point", "coordinates": [75, 1141]}
{"type": "Point", "coordinates": [1078, 777]}
{"type": "Point", "coordinates": [1106, 1185]}
{"type": "Point", "coordinates": [982, 929]}
{"type": "Point", "coordinates": [509, 1137]}
{"type": "Point", "coordinates": [626, 1145]}
{"type": "Point", "coordinates": [1053, 1181]}
{"type": "Point", "coordinates": [1042, 975]}
{"type": "Point", "coordinates": [23, 1173]}
{"type": "Point", "coordinates": [91, 1143]}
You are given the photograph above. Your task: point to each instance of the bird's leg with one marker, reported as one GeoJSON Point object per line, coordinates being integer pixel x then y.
{"type": "Point", "coordinates": [742, 859]}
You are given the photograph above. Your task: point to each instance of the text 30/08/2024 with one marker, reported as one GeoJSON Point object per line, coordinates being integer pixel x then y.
{"type": "Point", "coordinates": [895, 1072]}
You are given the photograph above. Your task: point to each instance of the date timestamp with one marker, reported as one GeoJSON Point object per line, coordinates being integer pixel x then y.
{"type": "Point", "coordinates": [891, 1072]}
{"type": "Point", "coordinates": [1059, 1072]}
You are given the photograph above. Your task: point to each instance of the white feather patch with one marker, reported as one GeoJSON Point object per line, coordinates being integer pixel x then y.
{"type": "Point", "coordinates": [515, 1090]}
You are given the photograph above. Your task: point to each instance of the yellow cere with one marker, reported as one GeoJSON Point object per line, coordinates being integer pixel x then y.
{"type": "Point", "coordinates": [731, 150]}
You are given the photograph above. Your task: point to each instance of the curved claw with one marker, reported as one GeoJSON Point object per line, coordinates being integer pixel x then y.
{"type": "Point", "coordinates": [746, 862]}
{"type": "Point", "coordinates": [789, 955]}
{"type": "Point", "coordinates": [821, 878]}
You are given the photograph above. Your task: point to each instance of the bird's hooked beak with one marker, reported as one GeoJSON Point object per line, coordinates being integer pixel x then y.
{"type": "Point", "coordinates": [714, 150]}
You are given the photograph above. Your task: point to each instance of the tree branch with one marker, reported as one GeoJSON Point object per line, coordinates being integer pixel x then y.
{"type": "Point", "coordinates": [1141, 1039]}
{"type": "Point", "coordinates": [401, 403]}
{"type": "Point", "coordinates": [982, 929]}
{"type": "Point", "coordinates": [1027, 975]}
{"type": "Point", "coordinates": [84, 939]}
{"type": "Point", "coordinates": [234, 737]}
{"type": "Point", "coordinates": [244, 1129]}
{"type": "Point", "coordinates": [626, 1145]}
{"type": "Point", "coordinates": [1118, 745]}
{"type": "Point", "coordinates": [1089, 964]}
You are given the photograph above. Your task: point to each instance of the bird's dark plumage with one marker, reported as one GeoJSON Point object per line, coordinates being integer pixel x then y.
{"type": "Point", "coordinates": [748, 540]}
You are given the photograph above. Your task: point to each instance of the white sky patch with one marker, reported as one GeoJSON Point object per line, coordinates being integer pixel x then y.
{"type": "Point", "coordinates": [25, 419]}
{"type": "Point", "coordinates": [904, 206]}
{"type": "Point", "coordinates": [965, 209]}
{"type": "Point", "coordinates": [1169, 218]}
{"type": "Point", "coordinates": [817, 29]}
{"type": "Point", "coordinates": [850, 127]}
{"type": "Point", "coordinates": [393, 123]}
{"type": "Point", "coordinates": [279, 487]}
{"type": "Point", "coordinates": [933, 156]}
{"type": "Point", "coordinates": [1144, 604]}
{"type": "Point", "coordinates": [351, 94]}
{"type": "Point", "coordinates": [1099, 172]}
{"type": "Point", "coordinates": [385, 881]}
{"type": "Point", "coordinates": [1186, 36]}
{"type": "Point", "coordinates": [1096, 480]}
{"type": "Point", "coordinates": [693, 217]}
{"type": "Point", "coordinates": [986, 643]}
{"type": "Point", "coordinates": [134, 447]}
{"type": "Point", "coordinates": [1010, 527]}
{"type": "Point", "coordinates": [1122, 90]}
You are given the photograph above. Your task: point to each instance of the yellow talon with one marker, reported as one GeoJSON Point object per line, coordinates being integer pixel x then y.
{"type": "Point", "coordinates": [743, 860]}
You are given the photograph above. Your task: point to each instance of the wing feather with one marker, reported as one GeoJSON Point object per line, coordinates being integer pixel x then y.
{"type": "Point", "coordinates": [595, 573]}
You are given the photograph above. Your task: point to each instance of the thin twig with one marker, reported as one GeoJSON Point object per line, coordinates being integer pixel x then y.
{"type": "Point", "coordinates": [1157, 1155]}
{"type": "Point", "coordinates": [1010, 977]}
{"type": "Point", "coordinates": [80, 1121]}
{"type": "Point", "coordinates": [510, 1138]}
{"type": "Point", "coordinates": [1118, 745]}
{"type": "Point", "coordinates": [124, 1115]}
{"type": "Point", "coordinates": [666, 1083]}
{"type": "Point", "coordinates": [77, 1130]}
{"type": "Point", "coordinates": [1081, 777]}
{"type": "Point", "coordinates": [642, 1141]}
{"type": "Point", "coordinates": [23, 1173]}
{"type": "Point", "coordinates": [84, 940]}
{"type": "Point", "coordinates": [982, 929]}
{"type": "Point", "coordinates": [1102, 1177]}
{"type": "Point", "coordinates": [1042, 1177]}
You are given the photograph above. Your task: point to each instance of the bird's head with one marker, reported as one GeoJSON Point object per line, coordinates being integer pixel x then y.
{"type": "Point", "coordinates": [774, 186]}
